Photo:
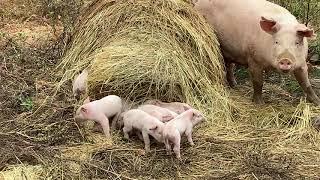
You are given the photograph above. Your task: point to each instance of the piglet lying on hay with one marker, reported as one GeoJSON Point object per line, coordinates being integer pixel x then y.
{"type": "Point", "coordinates": [158, 112]}
{"type": "Point", "coordinates": [100, 111]}
{"type": "Point", "coordinates": [176, 107]}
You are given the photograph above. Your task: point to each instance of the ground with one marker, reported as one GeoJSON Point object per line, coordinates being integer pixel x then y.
{"type": "Point", "coordinates": [40, 139]}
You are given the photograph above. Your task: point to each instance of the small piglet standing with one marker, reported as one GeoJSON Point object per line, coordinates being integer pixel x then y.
{"type": "Point", "coordinates": [100, 111]}
{"type": "Point", "coordinates": [182, 124]}
{"type": "Point", "coordinates": [142, 121]}
{"type": "Point", "coordinates": [80, 84]}
{"type": "Point", "coordinates": [163, 114]}
{"type": "Point", "coordinates": [176, 107]}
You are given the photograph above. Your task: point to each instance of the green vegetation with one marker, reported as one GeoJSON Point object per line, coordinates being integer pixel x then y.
{"type": "Point", "coordinates": [26, 103]}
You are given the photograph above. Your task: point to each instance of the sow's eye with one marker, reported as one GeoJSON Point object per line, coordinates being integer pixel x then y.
{"type": "Point", "coordinates": [277, 42]}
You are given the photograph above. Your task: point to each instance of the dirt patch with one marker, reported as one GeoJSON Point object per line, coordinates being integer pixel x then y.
{"type": "Point", "coordinates": [28, 34]}
{"type": "Point", "coordinates": [18, 10]}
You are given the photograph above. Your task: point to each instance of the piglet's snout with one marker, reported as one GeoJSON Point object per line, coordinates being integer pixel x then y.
{"type": "Point", "coordinates": [285, 65]}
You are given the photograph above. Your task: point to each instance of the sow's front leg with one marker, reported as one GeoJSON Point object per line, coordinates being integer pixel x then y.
{"type": "Point", "coordinates": [301, 75]}
{"type": "Point", "coordinates": [256, 74]}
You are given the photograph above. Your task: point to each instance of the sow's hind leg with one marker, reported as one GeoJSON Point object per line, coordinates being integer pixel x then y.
{"type": "Point", "coordinates": [230, 66]}
{"type": "Point", "coordinates": [230, 74]}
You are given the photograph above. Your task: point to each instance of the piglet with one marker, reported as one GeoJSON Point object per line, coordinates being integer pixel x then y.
{"type": "Point", "coordinates": [139, 120]}
{"type": "Point", "coordinates": [80, 84]}
{"type": "Point", "coordinates": [100, 111]}
{"type": "Point", "coordinates": [176, 107]}
{"type": "Point", "coordinates": [163, 114]}
{"type": "Point", "coordinates": [182, 124]}
{"type": "Point", "coordinates": [126, 106]}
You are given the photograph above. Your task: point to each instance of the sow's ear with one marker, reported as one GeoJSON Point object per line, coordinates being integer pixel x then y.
{"type": "Point", "coordinates": [304, 31]}
{"type": "Point", "coordinates": [269, 25]}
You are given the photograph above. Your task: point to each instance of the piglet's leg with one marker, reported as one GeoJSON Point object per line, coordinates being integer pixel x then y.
{"type": "Point", "coordinates": [138, 133]}
{"type": "Point", "coordinates": [168, 147]}
{"type": "Point", "coordinates": [146, 140]}
{"type": "Point", "coordinates": [126, 130]}
{"type": "Point", "coordinates": [97, 127]}
{"type": "Point", "coordinates": [176, 147]}
{"type": "Point", "coordinates": [301, 75]}
{"type": "Point", "coordinates": [105, 126]}
{"type": "Point", "coordinates": [115, 120]}
{"type": "Point", "coordinates": [189, 136]}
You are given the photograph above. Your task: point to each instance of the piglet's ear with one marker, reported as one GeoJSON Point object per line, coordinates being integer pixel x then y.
{"type": "Point", "coordinates": [156, 102]}
{"type": "Point", "coordinates": [166, 118]}
{"type": "Point", "coordinates": [186, 107]}
{"type": "Point", "coordinates": [75, 77]}
{"type": "Point", "coordinates": [84, 110]}
{"type": "Point", "coordinates": [153, 128]}
{"type": "Point", "coordinates": [86, 101]}
{"type": "Point", "coordinates": [304, 31]}
{"type": "Point", "coordinates": [269, 25]}
{"type": "Point", "coordinates": [85, 71]}
{"type": "Point", "coordinates": [197, 113]}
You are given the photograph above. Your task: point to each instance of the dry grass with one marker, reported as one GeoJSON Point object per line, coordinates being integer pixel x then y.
{"type": "Point", "coordinates": [39, 137]}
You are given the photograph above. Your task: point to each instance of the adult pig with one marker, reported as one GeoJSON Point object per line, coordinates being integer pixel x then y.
{"type": "Point", "coordinates": [261, 35]}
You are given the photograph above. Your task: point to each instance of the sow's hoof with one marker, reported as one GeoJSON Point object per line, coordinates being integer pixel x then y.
{"type": "Point", "coordinates": [258, 100]}
{"type": "Point", "coordinates": [316, 123]}
{"type": "Point", "coordinates": [233, 84]}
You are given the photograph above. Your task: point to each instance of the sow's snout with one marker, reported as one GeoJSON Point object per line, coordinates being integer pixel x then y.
{"type": "Point", "coordinates": [285, 65]}
{"type": "Point", "coordinates": [286, 62]}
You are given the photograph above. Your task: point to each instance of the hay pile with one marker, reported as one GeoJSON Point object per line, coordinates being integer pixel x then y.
{"type": "Point", "coordinates": [149, 49]}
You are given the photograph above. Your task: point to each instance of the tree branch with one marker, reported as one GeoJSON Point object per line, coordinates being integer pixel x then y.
{"type": "Point", "coordinates": [308, 12]}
